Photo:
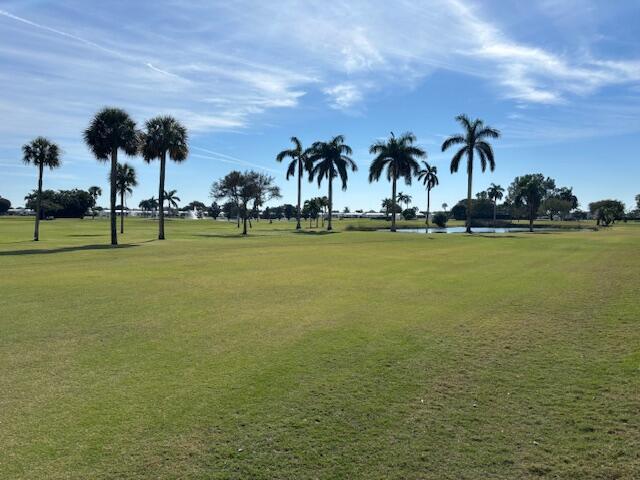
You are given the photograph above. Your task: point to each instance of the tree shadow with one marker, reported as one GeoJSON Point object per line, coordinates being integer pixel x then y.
{"type": "Point", "coordinates": [88, 235]}
{"type": "Point", "coordinates": [495, 235]}
{"type": "Point", "coordinates": [80, 248]}
{"type": "Point", "coordinates": [314, 232]}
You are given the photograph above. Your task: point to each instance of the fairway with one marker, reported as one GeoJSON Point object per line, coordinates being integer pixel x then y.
{"type": "Point", "coordinates": [311, 355]}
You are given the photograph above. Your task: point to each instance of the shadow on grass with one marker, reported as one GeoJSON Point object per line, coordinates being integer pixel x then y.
{"type": "Point", "coordinates": [314, 232]}
{"type": "Point", "coordinates": [494, 236]}
{"type": "Point", "coordinates": [80, 248]}
{"type": "Point", "coordinates": [88, 235]}
{"type": "Point", "coordinates": [230, 235]}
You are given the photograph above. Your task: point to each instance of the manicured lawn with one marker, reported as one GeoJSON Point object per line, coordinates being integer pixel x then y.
{"type": "Point", "coordinates": [294, 356]}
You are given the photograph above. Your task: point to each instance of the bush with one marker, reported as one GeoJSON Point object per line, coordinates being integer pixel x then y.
{"type": "Point", "coordinates": [440, 219]}
{"type": "Point", "coordinates": [5, 205]}
{"type": "Point", "coordinates": [409, 213]}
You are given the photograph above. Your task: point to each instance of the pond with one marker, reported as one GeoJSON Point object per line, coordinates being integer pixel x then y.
{"type": "Point", "coordinates": [484, 230]}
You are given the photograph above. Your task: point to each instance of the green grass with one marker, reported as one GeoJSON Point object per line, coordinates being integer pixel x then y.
{"type": "Point", "coordinates": [294, 356]}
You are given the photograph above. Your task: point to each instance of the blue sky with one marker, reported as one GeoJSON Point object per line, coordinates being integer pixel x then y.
{"type": "Point", "coordinates": [561, 79]}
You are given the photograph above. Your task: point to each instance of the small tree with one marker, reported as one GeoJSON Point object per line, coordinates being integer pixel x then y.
{"type": "Point", "coordinates": [95, 192]}
{"type": "Point", "coordinates": [42, 153]}
{"type": "Point", "coordinates": [529, 191]}
{"type": "Point", "coordinates": [5, 205]}
{"type": "Point", "coordinates": [246, 191]}
{"type": "Point", "coordinates": [214, 211]}
{"type": "Point", "coordinates": [440, 219]}
{"type": "Point", "coordinates": [409, 213]}
{"type": "Point", "coordinates": [125, 181]}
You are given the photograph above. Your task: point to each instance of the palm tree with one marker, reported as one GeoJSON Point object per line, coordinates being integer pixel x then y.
{"type": "Point", "coordinates": [444, 207]}
{"type": "Point", "coordinates": [149, 205]}
{"type": "Point", "coordinates": [172, 199]}
{"type": "Point", "coordinates": [404, 198]}
{"type": "Point", "coordinates": [330, 160]}
{"type": "Point", "coordinates": [112, 129]}
{"type": "Point", "coordinates": [299, 163]}
{"type": "Point", "coordinates": [429, 177]}
{"type": "Point", "coordinates": [398, 155]}
{"type": "Point", "coordinates": [495, 193]}
{"type": "Point", "coordinates": [473, 141]}
{"type": "Point", "coordinates": [95, 192]}
{"type": "Point", "coordinates": [323, 203]}
{"type": "Point", "coordinates": [125, 181]}
{"type": "Point", "coordinates": [41, 152]}
{"type": "Point", "coordinates": [164, 135]}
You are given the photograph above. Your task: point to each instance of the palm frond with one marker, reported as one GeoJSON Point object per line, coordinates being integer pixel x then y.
{"type": "Point", "coordinates": [452, 140]}
{"type": "Point", "coordinates": [455, 161]}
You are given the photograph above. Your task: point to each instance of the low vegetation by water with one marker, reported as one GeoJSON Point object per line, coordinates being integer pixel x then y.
{"type": "Point", "coordinates": [298, 355]}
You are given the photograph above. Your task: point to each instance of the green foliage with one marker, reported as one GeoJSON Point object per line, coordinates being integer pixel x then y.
{"type": "Point", "coordinates": [529, 191]}
{"type": "Point", "coordinates": [230, 210]}
{"type": "Point", "coordinates": [555, 206]}
{"type": "Point", "coordinates": [62, 203]}
{"type": "Point", "coordinates": [440, 219]}
{"type": "Point", "coordinates": [607, 211]}
{"type": "Point", "coordinates": [41, 152]}
{"type": "Point", "coordinates": [248, 191]}
{"type": "Point", "coordinates": [5, 205]}
{"type": "Point", "coordinates": [409, 213]}
{"type": "Point", "coordinates": [214, 210]}
{"type": "Point", "coordinates": [195, 205]}
{"type": "Point", "coordinates": [111, 129]}
{"type": "Point", "coordinates": [149, 205]}
{"type": "Point", "coordinates": [164, 135]}
{"type": "Point", "coordinates": [480, 208]}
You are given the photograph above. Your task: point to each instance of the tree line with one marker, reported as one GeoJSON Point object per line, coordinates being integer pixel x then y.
{"type": "Point", "coordinates": [164, 138]}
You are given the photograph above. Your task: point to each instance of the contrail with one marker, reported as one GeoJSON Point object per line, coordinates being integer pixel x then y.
{"type": "Point", "coordinates": [88, 43]}
{"type": "Point", "coordinates": [230, 159]}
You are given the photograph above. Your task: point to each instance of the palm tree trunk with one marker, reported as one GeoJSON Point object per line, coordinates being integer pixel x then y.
{"type": "Point", "coordinates": [531, 218]}
{"type": "Point", "coordinates": [393, 204]}
{"type": "Point", "coordinates": [113, 195]}
{"type": "Point", "coordinates": [163, 162]}
{"type": "Point", "coordinates": [329, 227]}
{"type": "Point", "coordinates": [36, 231]}
{"type": "Point", "coordinates": [122, 212]}
{"type": "Point", "coordinates": [428, 204]}
{"type": "Point", "coordinates": [469, 186]}
{"type": "Point", "coordinates": [299, 194]}
{"type": "Point", "coordinates": [244, 222]}
{"type": "Point", "coordinates": [495, 207]}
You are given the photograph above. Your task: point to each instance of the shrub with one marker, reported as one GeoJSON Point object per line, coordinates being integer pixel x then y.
{"type": "Point", "coordinates": [5, 205]}
{"type": "Point", "coordinates": [440, 219]}
{"type": "Point", "coordinates": [409, 213]}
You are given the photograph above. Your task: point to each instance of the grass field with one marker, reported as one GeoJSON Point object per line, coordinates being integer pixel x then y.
{"type": "Point", "coordinates": [302, 356]}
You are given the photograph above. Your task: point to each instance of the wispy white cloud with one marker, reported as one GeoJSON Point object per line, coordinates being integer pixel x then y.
{"type": "Point", "coordinates": [344, 95]}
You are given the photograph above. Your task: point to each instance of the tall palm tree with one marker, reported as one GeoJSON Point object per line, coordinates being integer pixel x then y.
{"type": "Point", "coordinates": [171, 198]}
{"type": "Point", "coordinates": [330, 160]}
{"type": "Point", "coordinates": [429, 177]}
{"type": "Point", "coordinates": [399, 156]}
{"type": "Point", "coordinates": [110, 130]}
{"type": "Point", "coordinates": [495, 193]}
{"type": "Point", "coordinates": [473, 141]}
{"type": "Point", "coordinates": [444, 207]}
{"type": "Point", "coordinates": [164, 135]}
{"type": "Point", "coordinates": [299, 165]}
{"type": "Point", "coordinates": [125, 181]}
{"type": "Point", "coordinates": [40, 152]}
{"type": "Point", "coordinates": [95, 192]}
